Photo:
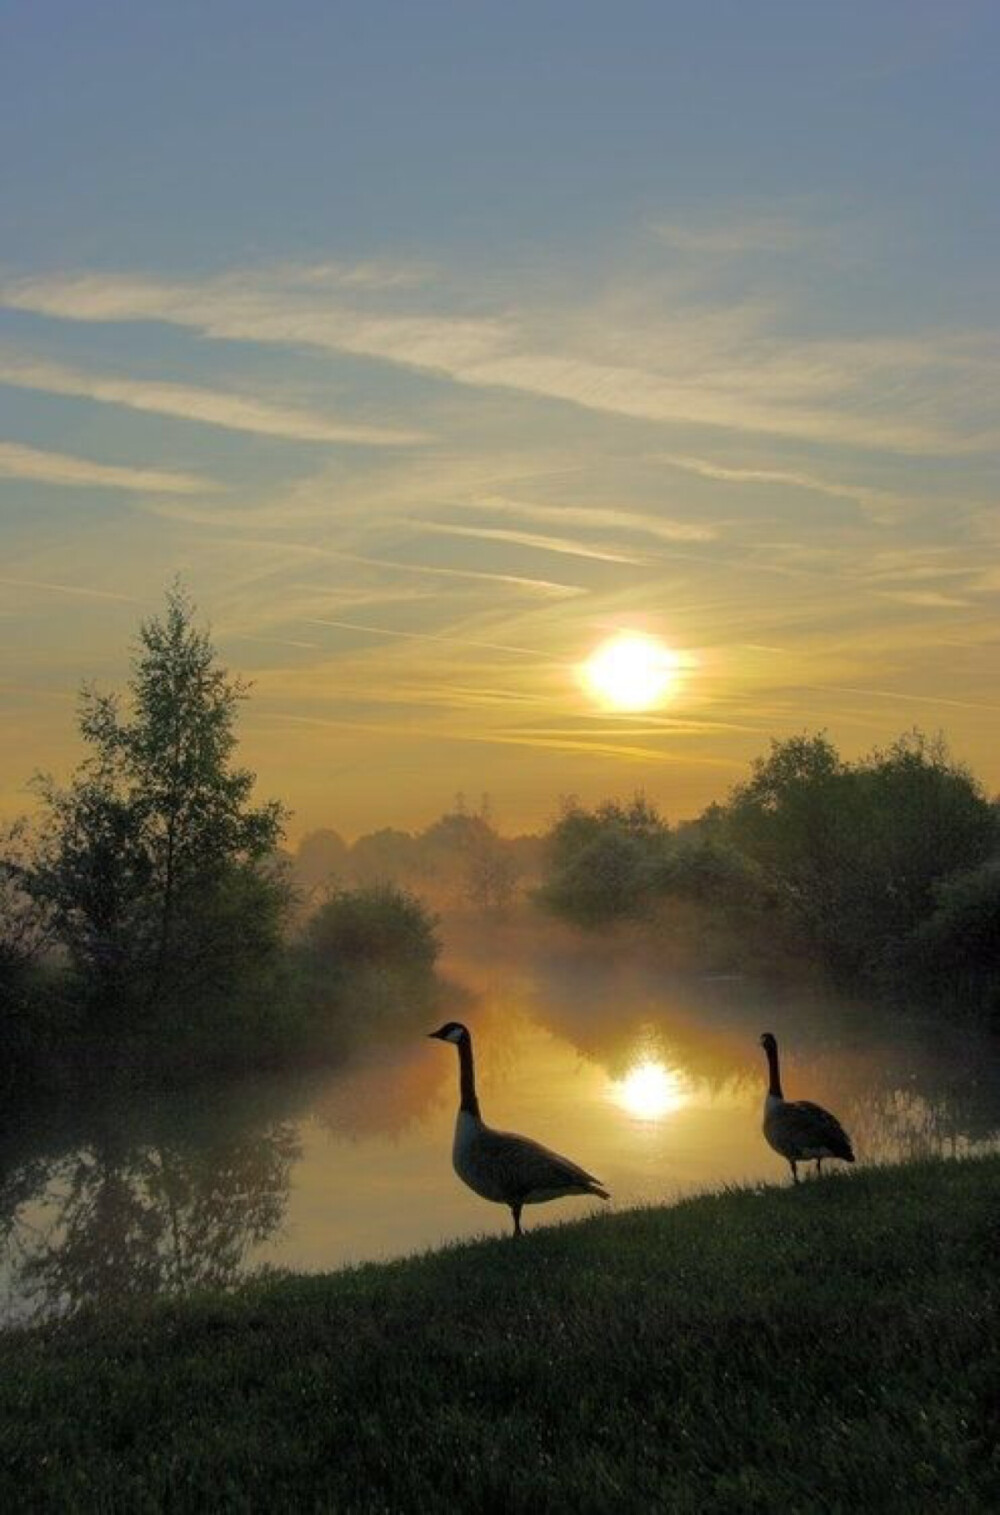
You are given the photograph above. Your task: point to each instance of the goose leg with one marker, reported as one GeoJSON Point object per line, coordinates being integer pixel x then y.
{"type": "Point", "coordinates": [795, 1169]}
{"type": "Point", "coordinates": [819, 1167]}
{"type": "Point", "coordinates": [515, 1210]}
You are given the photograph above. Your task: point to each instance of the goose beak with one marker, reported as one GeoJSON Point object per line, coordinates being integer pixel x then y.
{"type": "Point", "coordinates": [435, 1036]}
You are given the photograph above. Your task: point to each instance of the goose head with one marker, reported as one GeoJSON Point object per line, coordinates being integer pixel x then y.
{"type": "Point", "coordinates": [451, 1031]}
{"type": "Point", "coordinates": [769, 1042]}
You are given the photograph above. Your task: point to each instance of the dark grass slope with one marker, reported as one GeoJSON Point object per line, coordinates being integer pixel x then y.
{"type": "Point", "coordinates": [828, 1348]}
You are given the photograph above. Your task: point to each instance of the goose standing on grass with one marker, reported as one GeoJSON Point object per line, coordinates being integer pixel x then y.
{"type": "Point", "coordinates": [798, 1129]}
{"type": "Point", "coordinates": [497, 1165]}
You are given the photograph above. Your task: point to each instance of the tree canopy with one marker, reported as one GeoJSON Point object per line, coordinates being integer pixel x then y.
{"type": "Point", "coordinates": [153, 862]}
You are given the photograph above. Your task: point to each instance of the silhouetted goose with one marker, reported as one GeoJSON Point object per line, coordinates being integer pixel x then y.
{"type": "Point", "coordinates": [798, 1129]}
{"type": "Point", "coordinates": [497, 1165]}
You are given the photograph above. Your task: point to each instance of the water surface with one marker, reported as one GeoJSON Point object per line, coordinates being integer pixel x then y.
{"type": "Point", "coordinates": [654, 1086]}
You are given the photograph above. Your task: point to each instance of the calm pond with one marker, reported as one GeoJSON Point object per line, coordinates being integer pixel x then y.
{"type": "Point", "coordinates": [655, 1087]}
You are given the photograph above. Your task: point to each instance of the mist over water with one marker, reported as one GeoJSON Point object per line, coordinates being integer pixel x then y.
{"type": "Point", "coordinates": [652, 1083]}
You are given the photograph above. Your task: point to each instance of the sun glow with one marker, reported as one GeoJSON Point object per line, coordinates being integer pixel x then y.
{"type": "Point", "coordinates": [632, 671]}
{"type": "Point", "coordinates": [649, 1090]}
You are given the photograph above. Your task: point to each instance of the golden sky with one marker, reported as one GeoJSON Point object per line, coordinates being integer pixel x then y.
{"type": "Point", "coordinates": [425, 402]}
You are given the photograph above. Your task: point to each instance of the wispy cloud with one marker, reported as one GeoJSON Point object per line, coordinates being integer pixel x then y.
{"type": "Point", "coordinates": [909, 397]}
{"type": "Point", "coordinates": [395, 565]}
{"type": "Point", "coordinates": [17, 462]}
{"type": "Point", "coordinates": [645, 396]}
{"type": "Point", "coordinates": [209, 407]}
{"type": "Point", "coordinates": [883, 501]}
{"type": "Point", "coordinates": [927, 599]}
{"type": "Point", "coordinates": [256, 308]}
{"type": "Point", "coordinates": [597, 518]}
{"type": "Point", "coordinates": [421, 636]}
{"type": "Point", "coordinates": [596, 748]}
{"type": "Point", "coordinates": [528, 539]}
{"type": "Point", "coordinates": [84, 590]}
{"type": "Point", "coordinates": [913, 699]}
{"type": "Point", "coordinates": [371, 273]}
{"type": "Point", "coordinates": [239, 636]}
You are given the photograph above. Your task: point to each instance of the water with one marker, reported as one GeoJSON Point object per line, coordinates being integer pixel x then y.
{"type": "Point", "coordinates": [654, 1086]}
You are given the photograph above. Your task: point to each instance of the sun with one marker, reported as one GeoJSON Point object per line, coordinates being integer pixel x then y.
{"type": "Point", "coordinates": [649, 1090]}
{"type": "Point", "coordinates": [632, 671]}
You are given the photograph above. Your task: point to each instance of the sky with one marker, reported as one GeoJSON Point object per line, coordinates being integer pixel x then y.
{"type": "Point", "coordinates": [434, 344]}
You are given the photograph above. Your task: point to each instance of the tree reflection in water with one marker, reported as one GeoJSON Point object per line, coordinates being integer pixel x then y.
{"type": "Point", "coordinates": [188, 1189]}
{"type": "Point", "coordinates": [125, 1213]}
{"type": "Point", "coordinates": [383, 1094]}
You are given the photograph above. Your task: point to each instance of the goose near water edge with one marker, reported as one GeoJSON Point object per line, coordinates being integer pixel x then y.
{"type": "Point", "coordinates": [497, 1165]}
{"type": "Point", "coordinates": [796, 1128]}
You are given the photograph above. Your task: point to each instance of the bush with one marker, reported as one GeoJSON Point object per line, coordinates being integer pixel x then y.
{"type": "Point", "coordinates": [710, 872]}
{"type": "Point", "coordinates": [365, 958]}
{"type": "Point", "coordinates": [600, 862]}
{"type": "Point", "coordinates": [855, 852]}
{"type": "Point", "coordinates": [378, 926]}
{"type": "Point", "coordinates": [605, 881]}
{"type": "Point", "coordinates": [954, 955]}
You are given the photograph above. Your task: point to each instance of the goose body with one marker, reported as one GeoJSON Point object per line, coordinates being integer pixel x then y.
{"type": "Point", "coordinates": [501, 1166]}
{"type": "Point", "coordinates": [797, 1129]}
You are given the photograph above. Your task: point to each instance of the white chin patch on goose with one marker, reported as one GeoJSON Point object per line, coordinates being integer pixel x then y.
{"type": "Point", "coordinates": [454, 1036]}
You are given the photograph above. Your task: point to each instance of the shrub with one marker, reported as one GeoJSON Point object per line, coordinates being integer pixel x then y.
{"type": "Point", "coordinates": [855, 852]}
{"type": "Point", "coordinates": [955, 953]}
{"type": "Point", "coordinates": [380, 926]}
{"type": "Point", "coordinates": [605, 881]}
{"type": "Point", "coordinates": [710, 872]}
{"type": "Point", "coordinates": [600, 862]}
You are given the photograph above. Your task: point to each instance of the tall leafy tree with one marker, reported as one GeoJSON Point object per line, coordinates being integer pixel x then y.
{"type": "Point", "coordinates": [155, 861]}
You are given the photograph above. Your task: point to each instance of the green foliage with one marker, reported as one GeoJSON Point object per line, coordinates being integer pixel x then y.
{"type": "Point", "coordinates": [379, 925]}
{"type": "Point", "coordinates": [577, 828]}
{"type": "Point", "coordinates": [954, 955]}
{"type": "Point", "coordinates": [828, 1348]}
{"type": "Point", "coordinates": [28, 1004]}
{"type": "Point", "coordinates": [846, 862]}
{"type": "Point", "coordinates": [366, 957]}
{"type": "Point", "coordinates": [712, 873]}
{"type": "Point", "coordinates": [623, 862]}
{"type": "Point", "coordinates": [601, 861]}
{"type": "Point", "coordinates": [153, 864]}
{"type": "Point", "coordinates": [854, 852]}
{"type": "Point", "coordinates": [604, 881]}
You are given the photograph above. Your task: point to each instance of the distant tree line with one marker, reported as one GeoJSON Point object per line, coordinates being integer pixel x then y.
{"type": "Point", "coordinates": [885, 871]}
{"type": "Point", "coordinates": [460, 862]}
{"type": "Point", "coordinates": [149, 917]}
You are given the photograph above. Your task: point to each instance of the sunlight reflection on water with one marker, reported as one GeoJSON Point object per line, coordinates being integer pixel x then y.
{"type": "Point", "coordinates": [649, 1090]}
{"type": "Point", "coordinates": [656, 1090]}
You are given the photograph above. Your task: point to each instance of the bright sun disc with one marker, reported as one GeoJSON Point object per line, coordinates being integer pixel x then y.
{"type": "Point", "coordinates": [649, 1090]}
{"type": "Point", "coordinates": [632, 671]}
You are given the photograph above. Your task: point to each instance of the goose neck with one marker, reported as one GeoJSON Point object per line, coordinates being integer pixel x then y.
{"type": "Point", "coordinates": [774, 1070]}
{"type": "Point", "coordinates": [467, 1078]}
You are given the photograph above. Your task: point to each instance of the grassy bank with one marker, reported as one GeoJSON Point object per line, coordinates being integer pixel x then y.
{"type": "Point", "coordinates": [830, 1348]}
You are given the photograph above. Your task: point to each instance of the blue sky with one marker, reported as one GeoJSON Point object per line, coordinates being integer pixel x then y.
{"type": "Point", "coordinates": [434, 343]}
